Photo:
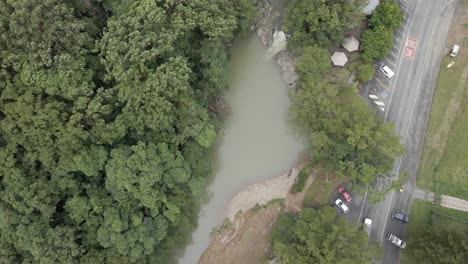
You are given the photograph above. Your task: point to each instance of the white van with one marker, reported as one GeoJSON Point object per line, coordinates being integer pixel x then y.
{"type": "Point", "coordinates": [385, 70]}
{"type": "Point", "coordinates": [455, 50]}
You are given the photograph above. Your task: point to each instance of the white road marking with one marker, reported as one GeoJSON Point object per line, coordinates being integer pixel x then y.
{"type": "Point", "coordinates": [390, 62]}
{"type": "Point", "coordinates": [383, 85]}
{"type": "Point", "coordinates": [364, 200]}
{"type": "Point", "coordinates": [419, 82]}
{"type": "Point", "coordinates": [442, 8]}
{"type": "Point", "coordinates": [392, 85]}
{"type": "Point", "coordinates": [411, 118]}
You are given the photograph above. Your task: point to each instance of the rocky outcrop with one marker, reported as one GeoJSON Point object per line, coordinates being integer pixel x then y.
{"type": "Point", "coordinates": [265, 21]}
{"type": "Point", "coordinates": [286, 61]}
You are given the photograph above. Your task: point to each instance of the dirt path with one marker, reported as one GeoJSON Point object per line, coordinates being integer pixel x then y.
{"type": "Point", "coordinates": [445, 200]}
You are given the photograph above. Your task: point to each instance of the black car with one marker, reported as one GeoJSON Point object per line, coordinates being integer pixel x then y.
{"type": "Point", "coordinates": [401, 217]}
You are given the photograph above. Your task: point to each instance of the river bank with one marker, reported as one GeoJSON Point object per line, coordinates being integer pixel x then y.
{"type": "Point", "coordinates": [244, 238]}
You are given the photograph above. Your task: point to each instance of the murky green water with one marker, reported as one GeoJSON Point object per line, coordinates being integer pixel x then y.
{"type": "Point", "coordinates": [257, 142]}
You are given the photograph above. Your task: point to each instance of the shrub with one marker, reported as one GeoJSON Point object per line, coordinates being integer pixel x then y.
{"type": "Point", "coordinates": [365, 72]}
{"type": "Point", "coordinates": [376, 43]}
{"type": "Point", "coordinates": [300, 180]}
{"type": "Point", "coordinates": [387, 14]}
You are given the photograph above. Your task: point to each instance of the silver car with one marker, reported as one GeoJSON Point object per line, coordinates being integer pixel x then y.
{"type": "Point", "coordinates": [396, 241]}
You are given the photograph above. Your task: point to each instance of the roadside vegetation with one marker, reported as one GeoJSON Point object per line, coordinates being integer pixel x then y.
{"type": "Point", "coordinates": [436, 235]}
{"type": "Point", "coordinates": [320, 236]}
{"type": "Point", "coordinates": [104, 130]}
{"type": "Point", "coordinates": [346, 137]}
{"type": "Point", "coordinates": [444, 160]}
{"type": "Point", "coordinates": [348, 141]}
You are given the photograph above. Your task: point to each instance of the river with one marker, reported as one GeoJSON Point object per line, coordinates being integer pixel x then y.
{"type": "Point", "coordinates": [257, 141]}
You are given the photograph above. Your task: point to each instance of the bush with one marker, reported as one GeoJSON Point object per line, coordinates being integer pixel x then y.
{"type": "Point", "coordinates": [387, 14]}
{"type": "Point", "coordinates": [365, 72]}
{"type": "Point", "coordinates": [313, 61]}
{"type": "Point", "coordinates": [355, 57]}
{"type": "Point", "coordinates": [300, 180]}
{"type": "Point", "coordinates": [352, 66]}
{"type": "Point", "coordinates": [376, 43]}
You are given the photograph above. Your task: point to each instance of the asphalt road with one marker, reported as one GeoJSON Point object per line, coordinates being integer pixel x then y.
{"type": "Point", "coordinates": [407, 97]}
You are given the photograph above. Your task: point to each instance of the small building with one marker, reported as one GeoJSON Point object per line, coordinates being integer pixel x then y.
{"type": "Point", "coordinates": [350, 43]}
{"type": "Point", "coordinates": [339, 58]}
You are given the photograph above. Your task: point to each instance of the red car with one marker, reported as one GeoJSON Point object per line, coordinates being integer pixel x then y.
{"type": "Point", "coordinates": [345, 194]}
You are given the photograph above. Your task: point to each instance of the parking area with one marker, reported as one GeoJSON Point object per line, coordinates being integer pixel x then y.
{"type": "Point", "coordinates": [379, 88]}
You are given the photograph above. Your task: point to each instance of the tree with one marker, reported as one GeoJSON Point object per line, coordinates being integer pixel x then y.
{"type": "Point", "coordinates": [313, 61]}
{"type": "Point", "coordinates": [343, 132]}
{"type": "Point", "coordinates": [387, 14]}
{"type": "Point", "coordinates": [320, 236]}
{"type": "Point", "coordinates": [439, 244]}
{"type": "Point", "coordinates": [104, 137]}
{"type": "Point", "coordinates": [318, 22]}
{"type": "Point", "coordinates": [376, 43]}
{"type": "Point", "coordinates": [365, 72]}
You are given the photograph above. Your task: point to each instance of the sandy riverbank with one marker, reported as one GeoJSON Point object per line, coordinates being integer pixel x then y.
{"type": "Point", "coordinates": [263, 192]}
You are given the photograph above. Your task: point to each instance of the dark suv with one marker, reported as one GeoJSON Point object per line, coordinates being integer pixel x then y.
{"type": "Point", "coordinates": [401, 217]}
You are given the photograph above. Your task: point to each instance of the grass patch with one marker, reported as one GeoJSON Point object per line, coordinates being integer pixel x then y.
{"type": "Point", "coordinates": [320, 190]}
{"type": "Point", "coordinates": [444, 161]}
{"type": "Point", "coordinates": [424, 214]}
{"type": "Point", "coordinates": [420, 216]}
{"type": "Point", "coordinates": [463, 216]}
{"type": "Point", "coordinates": [277, 201]}
{"type": "Point", "coordinates": [352, 66]}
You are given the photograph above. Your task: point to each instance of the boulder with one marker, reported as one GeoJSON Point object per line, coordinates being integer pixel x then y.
{"type": "Point", "coordinates": [265, 21]}
{"type": "Point", "coordinates": [286, 61]}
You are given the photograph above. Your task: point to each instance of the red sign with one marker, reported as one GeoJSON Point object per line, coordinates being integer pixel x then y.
{"type": "Point", "coordinates": [409, 52]}
{"type": "Point", "coordinates": [410, 48]}
{"type": "Point", "coordinates": [411, 42]}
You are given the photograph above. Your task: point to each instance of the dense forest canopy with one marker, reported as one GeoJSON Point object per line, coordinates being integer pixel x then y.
{"type": "Point", "coordinates": [104, 132]}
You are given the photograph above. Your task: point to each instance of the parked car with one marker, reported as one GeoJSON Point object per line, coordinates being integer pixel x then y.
{"type": "Point", "coordinates": [396, 241]}
{"type": "Point", "coordinates": [345, 194]}
{"type": "Point", "coordinates": [385, 70]}
{"type": "Point", "coordinates": [399, 216]}
{"type": "Point", "coordinates": [342, 206]}
{"type": "Point", "coordinates": [367, 226]}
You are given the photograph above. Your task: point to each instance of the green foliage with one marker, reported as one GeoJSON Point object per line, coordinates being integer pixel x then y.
{"type": "Point", "coordinates": [376, 43]}
{"type": "Point", "coordinates": [104, 133]}
{"type": "Point", "coordinates": [388, 14]}
{"type": "Point", "coordinates": [344, 134]}
{"type": "Point", "coordinates": [283, 228]}
{"type": "Point", "coordinates": [313, 61]}
{"type": "Point", "coordinates": [319, 22]}
{"type": "Point", "coordinates": [301, 178]}
{"type": "Point", "coordinates": [439, 244]}
{"type": "Point", "coordinates": [320, 236]}
{"type": "Point", "coordinates": [365, 72]}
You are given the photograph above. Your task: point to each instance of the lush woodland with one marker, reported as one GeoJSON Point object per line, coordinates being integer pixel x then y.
{"type": "Point", "coordinates": [320, 236]}
{"type": "Point", "coordinates": [344, 133]}
{"type": "Point", "coordinates": [104, 129]}
{"type": "Point", "coordinates": [439, 244]}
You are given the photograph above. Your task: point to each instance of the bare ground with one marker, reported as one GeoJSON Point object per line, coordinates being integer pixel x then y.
{"type": "Point", "coordinates": [246, 239]}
